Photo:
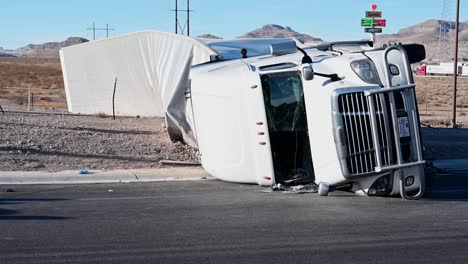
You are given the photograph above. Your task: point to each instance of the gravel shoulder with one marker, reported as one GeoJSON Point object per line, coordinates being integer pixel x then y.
{"type": "Point", "coordinates": [55, 142]}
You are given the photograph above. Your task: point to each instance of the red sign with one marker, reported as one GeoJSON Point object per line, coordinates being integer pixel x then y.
{"type": "Point", "coordinates": [380, 22]}
{"type": "Point", "coordinates": [374, 7]}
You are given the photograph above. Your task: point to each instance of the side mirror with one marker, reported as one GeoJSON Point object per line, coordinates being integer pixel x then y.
{"type": "Point", "coordinates": [416, 52]}
{"type": "Point", "coordinates": [307, 72]}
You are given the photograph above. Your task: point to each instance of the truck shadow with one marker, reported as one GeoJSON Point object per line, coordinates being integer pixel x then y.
{"type": "Point", "coordinates": [447, 156]}
{"type": "Point", "coordinates": [11, 214]}
{"type": "Point", "coordinates": [447, 180]}
{"type": "Point", "coordinates": [445, 143]}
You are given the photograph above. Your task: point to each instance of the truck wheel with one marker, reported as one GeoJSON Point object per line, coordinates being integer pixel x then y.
{"type": "Point", "coordinates": [323, 189]}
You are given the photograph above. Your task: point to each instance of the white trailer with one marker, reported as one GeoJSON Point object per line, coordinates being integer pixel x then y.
{"type": "Point", "coordinates": [338, 115]}
{"type": "Point", "coordinates": [441, 69]}
{"type": "Point", "coordinates": [446, 69]}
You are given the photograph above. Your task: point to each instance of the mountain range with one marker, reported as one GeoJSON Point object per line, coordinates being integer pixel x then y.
{"type": "Point", "coordinates": [49, 49]}
{"type": "Point", "coordinates": [277, 31]}
{"type": "Point", "coordinates": [426, 33]}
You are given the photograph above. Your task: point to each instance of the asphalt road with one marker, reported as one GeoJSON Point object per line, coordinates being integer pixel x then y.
{"type": "Point", "coordinates": [218, 222]}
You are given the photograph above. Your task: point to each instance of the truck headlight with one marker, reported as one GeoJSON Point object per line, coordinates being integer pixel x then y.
{"type": "Point", "coordinates": [366, 70]}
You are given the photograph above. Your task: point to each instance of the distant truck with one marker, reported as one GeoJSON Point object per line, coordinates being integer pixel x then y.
{"type": "Point", "coordinates": [442, 69]}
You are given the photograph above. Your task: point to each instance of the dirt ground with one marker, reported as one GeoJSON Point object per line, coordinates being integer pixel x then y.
{"type": "Point", "coordinates": [39, 142]}
{"type": "Point", "coordinates": [67, 142]}
{"type": "Point", "coordinates": [435, 100]}
{"type": "Point", "coordinates": [44, 76]}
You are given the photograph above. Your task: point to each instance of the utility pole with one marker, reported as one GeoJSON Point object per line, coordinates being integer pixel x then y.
{"type": "Point", "coordinates": [188, 17]}
{"type": "Point", "coordinates": [455, 69]}
{"type": "Point", "coordinates": [179, 29]}
{"type": "Point", "coordinates": [107, 30]}
{"type": "Point", "coordinates": [176, 16]}
{"type": "Point", "coordinates": [94, 29]}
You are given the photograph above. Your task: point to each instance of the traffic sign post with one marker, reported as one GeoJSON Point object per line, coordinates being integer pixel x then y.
{"type": "Point", "coordinates": [373, 23]}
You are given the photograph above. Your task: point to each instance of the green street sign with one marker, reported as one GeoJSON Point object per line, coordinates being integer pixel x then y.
{"type": "Point", "coordinates": [367, 22]}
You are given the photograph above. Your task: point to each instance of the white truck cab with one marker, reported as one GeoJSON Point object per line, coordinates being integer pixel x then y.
{"type": "Point", "coordinates": [344, 116]}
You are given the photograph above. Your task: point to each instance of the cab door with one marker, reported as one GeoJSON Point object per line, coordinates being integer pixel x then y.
{"type": "Point", "coordinates": [285, 108]}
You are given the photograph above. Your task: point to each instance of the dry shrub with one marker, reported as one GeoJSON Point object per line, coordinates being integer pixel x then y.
{"type": "Point", "coordinates": [45, 99]}
{"type": "Point", "coordinates": [19, 100]}
{"type": "Point", "coordinates": [438, 122]}
{"type": "Point", "coordinates": [102, 115]}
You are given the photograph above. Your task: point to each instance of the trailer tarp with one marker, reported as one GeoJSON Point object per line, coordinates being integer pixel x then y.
{"type": "Point", "coordinates": [152, 70]}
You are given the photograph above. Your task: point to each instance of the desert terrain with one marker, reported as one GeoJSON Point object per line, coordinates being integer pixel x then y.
{"type": "Point", "coordinates": [44, 75]}
{"type": "Point", "coordinates": [50, 139]}
{"type": "Point", "coordinates": [435, 100]}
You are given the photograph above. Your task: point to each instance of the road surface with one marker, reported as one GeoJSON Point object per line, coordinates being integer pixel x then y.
{"type": "Point", "coordinates": [217, 222]}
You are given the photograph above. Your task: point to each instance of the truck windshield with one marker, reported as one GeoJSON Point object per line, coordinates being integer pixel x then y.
{"type": "Point", "coordinates": [284, 101]}
{"type": "Point", "coordinates": [287, 125]}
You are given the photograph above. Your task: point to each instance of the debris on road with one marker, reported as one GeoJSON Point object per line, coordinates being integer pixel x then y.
{"type": "Point", "coordinates": [306, 188]}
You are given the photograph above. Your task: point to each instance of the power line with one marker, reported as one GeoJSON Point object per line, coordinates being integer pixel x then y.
{"type": "Point", "coordinates": [94, 29]}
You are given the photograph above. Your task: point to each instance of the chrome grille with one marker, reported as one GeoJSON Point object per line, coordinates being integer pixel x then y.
{"type": "Point", "coordinates": [354, 110]}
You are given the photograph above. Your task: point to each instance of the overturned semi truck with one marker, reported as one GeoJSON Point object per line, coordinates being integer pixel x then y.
{"type": "Point", "coordinates": [335, 114]}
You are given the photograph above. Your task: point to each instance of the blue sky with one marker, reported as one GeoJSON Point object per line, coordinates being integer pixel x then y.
{"type": "Point", "coordinates": [36, 21]}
